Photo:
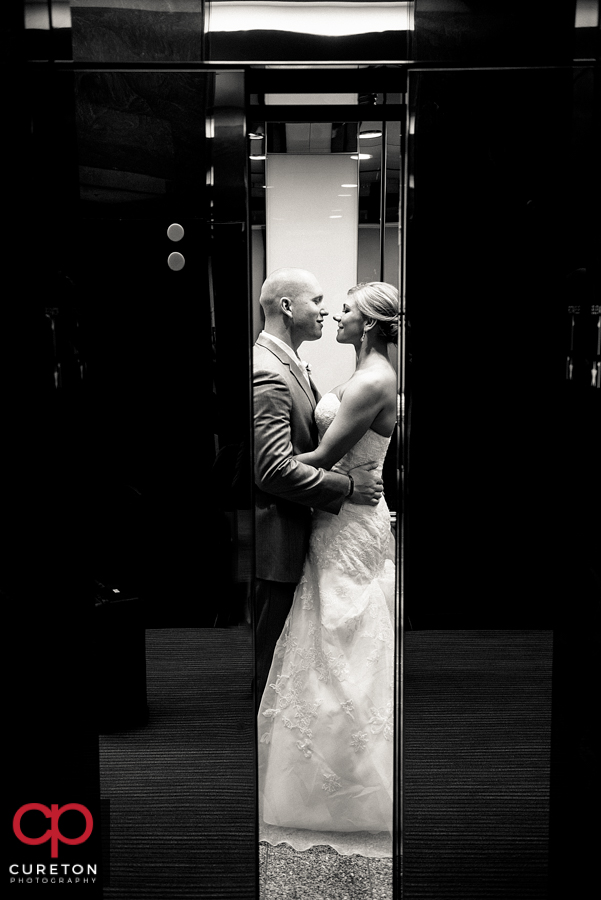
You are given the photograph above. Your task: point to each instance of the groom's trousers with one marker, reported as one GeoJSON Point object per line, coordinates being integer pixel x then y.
{"type": "Point", "coordinates": [273, 602]}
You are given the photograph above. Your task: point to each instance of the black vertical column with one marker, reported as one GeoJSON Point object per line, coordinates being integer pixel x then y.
{"type": "Point", "coordinates": [47, 589]}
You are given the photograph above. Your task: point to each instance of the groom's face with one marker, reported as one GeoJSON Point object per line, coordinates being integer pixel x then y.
{"type": "Point", "coordinates": [308, 311]}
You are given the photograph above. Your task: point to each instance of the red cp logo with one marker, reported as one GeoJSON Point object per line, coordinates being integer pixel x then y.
{"type": "Point", "coordinates": [53, 834]}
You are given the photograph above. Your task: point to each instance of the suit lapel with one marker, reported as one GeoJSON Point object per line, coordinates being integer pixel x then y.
{"type": "Point", "coordinates": [295, 369]}
{"type": "Point", "coordinates": [316, 393]}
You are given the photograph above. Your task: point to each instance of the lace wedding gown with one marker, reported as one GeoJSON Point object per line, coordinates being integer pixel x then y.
{"type": "Point", "coordinates": [325, 722]}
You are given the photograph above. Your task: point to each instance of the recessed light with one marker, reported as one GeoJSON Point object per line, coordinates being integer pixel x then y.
{"type": "Point", "coordinates": [348, 185]}
{"type": "Point", "coordinates": [362, 156]}
{"type": "Point", "coordinates": [252, 156]}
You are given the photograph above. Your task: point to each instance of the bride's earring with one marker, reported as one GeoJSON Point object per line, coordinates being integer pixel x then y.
{"type": "Point", "coordinates": [366, 328]}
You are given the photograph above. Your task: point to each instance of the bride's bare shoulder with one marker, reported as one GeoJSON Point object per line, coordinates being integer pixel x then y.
{"type": "Point", "coordinates": [379, 379]}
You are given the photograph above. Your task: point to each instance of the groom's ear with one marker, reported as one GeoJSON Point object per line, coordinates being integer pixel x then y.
{"type": "Point", "coordinates": [286, 306]}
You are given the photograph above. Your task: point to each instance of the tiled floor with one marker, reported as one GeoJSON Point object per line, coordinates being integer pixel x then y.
{"type": "Point", "coordinates": [321, 874]}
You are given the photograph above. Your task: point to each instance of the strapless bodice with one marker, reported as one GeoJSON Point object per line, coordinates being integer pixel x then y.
{"type": "Point", "coordinates": [371, 447]}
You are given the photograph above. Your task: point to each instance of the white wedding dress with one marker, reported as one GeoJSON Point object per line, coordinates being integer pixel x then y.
{"type": "Point", "coordinates": [325, 722]}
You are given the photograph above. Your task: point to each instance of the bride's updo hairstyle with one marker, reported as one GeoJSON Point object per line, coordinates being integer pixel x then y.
{"type": "Point", "coordinates": [380, 301]}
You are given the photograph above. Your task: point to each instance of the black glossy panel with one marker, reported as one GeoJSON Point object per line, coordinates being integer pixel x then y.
{"type": "Point", "coordinates": [143, 146]}
{"type": "Point", "coordinates": [501, 213]}
{"type": "Point", "coordinates": [141, 140]}
{"type": "Point", "coordinates": [269, 46]}
{"type": "Point", "coordinates": [137, 31]}
{"type": "Point", "coordinates": [157, 148]}
{"type": "Point", "coordinates": [132, 398]}
{"type": "Point", "coordinates": [370, 82]}
{"type": "Point", "coordinates": [490, 34]}
{"type": "Point", "coordinates": [297, 113]}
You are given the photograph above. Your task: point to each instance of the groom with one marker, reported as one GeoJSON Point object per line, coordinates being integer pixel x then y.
{"type": "Point", "coordinates": [284, 426]}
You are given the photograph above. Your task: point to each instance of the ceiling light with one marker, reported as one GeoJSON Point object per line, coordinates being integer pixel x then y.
{"type": "Point", "coordinates": [252, 156]}
{"type": "Point", "coordinates": [255, 136]}
{"type": "Point", "coordinates": [362, 156]}
{"type": "Point", "coordinates": [334, 20]}
{"type": "Point", "coordinates": [371, 133]}
{"type": "Point", "coordinates": [348, 185]}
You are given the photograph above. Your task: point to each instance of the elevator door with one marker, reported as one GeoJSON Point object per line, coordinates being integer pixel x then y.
{"type": "Point", "coordinates": [135, 368]}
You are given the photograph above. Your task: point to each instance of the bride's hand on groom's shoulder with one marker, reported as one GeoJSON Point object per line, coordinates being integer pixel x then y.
{"type": "Point", "coordinates": [368, 485]}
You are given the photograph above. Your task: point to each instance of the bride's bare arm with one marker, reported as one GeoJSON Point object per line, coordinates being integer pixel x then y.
{"type": "Point", "coordinates": [361, 402]}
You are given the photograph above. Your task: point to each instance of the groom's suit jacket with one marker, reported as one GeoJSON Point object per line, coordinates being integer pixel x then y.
{"type": "Point", "coordinates": [286, 490]}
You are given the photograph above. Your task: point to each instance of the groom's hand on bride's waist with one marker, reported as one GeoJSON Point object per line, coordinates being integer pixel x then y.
{"type": "Point", "coordinates": [367, 485]}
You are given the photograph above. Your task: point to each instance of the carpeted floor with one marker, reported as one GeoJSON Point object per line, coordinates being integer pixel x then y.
{"type": "Point", "coordinates": [181, 789]}
{"type": "Point", "coordinates": [476, 741]}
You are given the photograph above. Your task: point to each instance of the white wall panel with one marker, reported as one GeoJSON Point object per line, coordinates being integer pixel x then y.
{"type": "Point", "coordinates": [312, 224]}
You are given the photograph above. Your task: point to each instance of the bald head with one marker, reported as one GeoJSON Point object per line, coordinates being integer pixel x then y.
{"type": "Point", "coordinates": [292, 300]}
{"type": "Point", "coordinates": [286, 282]}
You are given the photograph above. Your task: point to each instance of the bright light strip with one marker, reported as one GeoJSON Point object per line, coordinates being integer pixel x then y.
{"type": "Point", "coordinates": [365, 135]}
{"type": "Point", "coordinates": [349, 185]}
{"type": "Point", "coordinates": [257, 157]}
{"type": "Point", "coordinates": [331, 19]}
{"type": "Point", "coordinates": [362, 156]}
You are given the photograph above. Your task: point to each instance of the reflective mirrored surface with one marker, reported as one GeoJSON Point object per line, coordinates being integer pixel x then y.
{"type": "Point", "coordinates": [242, 31]}
{"type": "Point", "coordinates": [280, 31]}
{"type": "Point", "coordinates": [500, 250]}
{"type": "Point", "coordinates": [146, 31]}
{"type": "Point", "coordinates": [272, 31]}
{"type": "Point", "coordinates": [538, 33]}
{"type": "Point", "coordinates": [139, 373]}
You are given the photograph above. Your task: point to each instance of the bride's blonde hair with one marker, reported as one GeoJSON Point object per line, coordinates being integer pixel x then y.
{"type": "Point", "coordinates": [380, 301]}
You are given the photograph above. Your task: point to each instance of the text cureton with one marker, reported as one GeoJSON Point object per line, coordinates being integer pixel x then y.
{"type": "Point", "coordinates": [53, 869]}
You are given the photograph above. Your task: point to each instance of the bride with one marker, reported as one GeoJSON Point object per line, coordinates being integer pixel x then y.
{"type": "Point", "coordinates": [325, 722]}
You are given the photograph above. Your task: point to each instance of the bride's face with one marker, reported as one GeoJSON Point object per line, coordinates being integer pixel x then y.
{"type": "Point", "coordinates": [351, 323]}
